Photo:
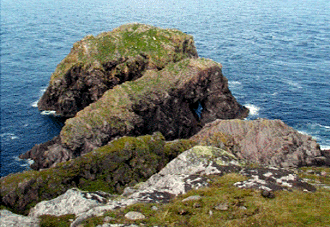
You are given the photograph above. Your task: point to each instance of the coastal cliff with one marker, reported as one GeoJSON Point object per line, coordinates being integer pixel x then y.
{"type": "Point", "coordinates": [164, 101]}
{"type": "Point", "coordinates": [150, 121]}
{"type": "Point", "coordinates": [97, 64]}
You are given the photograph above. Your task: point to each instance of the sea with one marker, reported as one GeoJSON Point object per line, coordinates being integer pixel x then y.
{"type": "Point", "coordinates": [275, 54]}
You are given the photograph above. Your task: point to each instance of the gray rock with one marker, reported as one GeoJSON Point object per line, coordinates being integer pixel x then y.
{"type": "Point", "coordinates": [73, 201]}
{"type": "Point", "coordinates": [182, 174]}
{"type": "Point", "coordinates": [272, 179]}
{"type": "Point", "coordinates": [222, 207]}
{"type": "Point", "coordinates": [108, 219]}
{"type": "Point", "coordinates": [133, 215]}
{"type": "Point", "coordinates": [267, 194]}
{"type": "Point", "coordinates": [192, 198]}
{"type": "Point", "coordinates": [9, 219]}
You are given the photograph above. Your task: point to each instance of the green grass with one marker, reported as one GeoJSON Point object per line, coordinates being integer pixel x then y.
{"type": "Point", "coordinates": [56, 221]}
{"type": "Point", "coordinates": [160, 45]}
{"type": "Point", "coordinates": [295, 208]}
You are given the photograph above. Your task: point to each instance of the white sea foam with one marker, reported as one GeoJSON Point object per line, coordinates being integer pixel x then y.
{"type": "Point", "coordinates": [324, 126]}
{"type": "Point", "coordinates": [8, 135]}
{"type": "Point", "coordinates": [302, 132]}
{"type": "Point", "coordinates": [25, 162]}
{"type": "Point", "coordinates": [233, 83]}
{"type": "Point", "coordinates": [254, 110]}
{"type": "Point", "coordinates": [35, 104]}
{"type": "Point", "coordinates": [294, 84]}
{"type": "Point", "coordinates": [325, 147]}
{"type": "Point", "coordinates": [42, 90]}
{"type": "Point", "coordinates": [48, 112]}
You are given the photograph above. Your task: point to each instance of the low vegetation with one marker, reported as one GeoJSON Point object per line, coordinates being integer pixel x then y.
{"type": "Point", "coordinates": [222, 204]}
{"type": "Point", "coordinates": [100, 170]}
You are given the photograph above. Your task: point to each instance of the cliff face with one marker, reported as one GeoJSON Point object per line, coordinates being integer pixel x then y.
{"type": "Point", "coordinates": [176, 101]}
{"type": "Point", "coordinates": [97, 64]}
{"type": "Point", "coordinates": [262, 141]}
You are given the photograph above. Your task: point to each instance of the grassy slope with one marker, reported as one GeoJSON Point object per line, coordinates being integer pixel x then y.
{"type": "Point", "coordinates": [296, 208]}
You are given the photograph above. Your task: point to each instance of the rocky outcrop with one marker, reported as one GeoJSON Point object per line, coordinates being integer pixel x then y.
{"type": "Point", "coordinates": [272, 179]}
{"type": "Point", "coordinates": [97, 64]}
{"type": "Point", "coordinates": [9, 219]}
{"type": "Point", "coordinates": [71, 202]}
{"type": "Point", "coordinates": [190, 170]}
{"type": "Point", "coordinates": [176, 101]}
{"type": "Point", "coordinates": [111, 168]}
{"type": "Point", "coordinates": [262, 141]}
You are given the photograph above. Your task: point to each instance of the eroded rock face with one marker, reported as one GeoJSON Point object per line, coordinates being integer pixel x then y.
{"type": "Point", "coordinates": [164, 101]}
{"type": "Point", "coordinates": [262, 141]}
{"type": "Point", "coordinates": [97, 64]}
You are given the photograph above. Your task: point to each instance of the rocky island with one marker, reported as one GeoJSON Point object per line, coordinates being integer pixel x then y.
{"type": "Point", "coordinates": [149, 122]}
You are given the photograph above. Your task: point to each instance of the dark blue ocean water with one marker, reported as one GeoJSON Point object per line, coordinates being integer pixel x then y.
{"type": "Point", "coordinates": [276, 55]}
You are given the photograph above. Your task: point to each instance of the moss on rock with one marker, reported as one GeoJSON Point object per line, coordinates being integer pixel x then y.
{"type": "Point", "coordinates": [124, 161]}
{"type": "Point", "coordinates": [97, 64]}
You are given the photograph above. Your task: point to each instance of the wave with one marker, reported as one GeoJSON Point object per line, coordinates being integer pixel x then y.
{"type": "Point", "coordinates": [24, 162]}
{"type": "Point", "coordinates": [323, 126]}
{"type": "Point", "coordinates": [234, 84]}
{"type": "Point", "coordinates": [35, 104]}
{"type": "Point", "coordinates": [293, 84]}
{"type": "Point", "coordinates": [325, 147]}
{"type": "Point", "coordinates": [8, 135]}
{"type": "Point", "coordinates": [41, 92]}
{"type": "Point", "coordinates": [48, 112]}
{"type": "Point", "coordinates": [254, 110]}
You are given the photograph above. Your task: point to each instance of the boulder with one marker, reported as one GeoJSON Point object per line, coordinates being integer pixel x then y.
{"type": "Point", "coordinates": [166, 101]}
{"type": "Point", "coordinates": [97, 64]}
{"type": "Point", "coordinates": [72, 201]}
{"type": "Point", "coordinates": [262, 141]}
{"type": "Point", "coordinates": [134, 215]}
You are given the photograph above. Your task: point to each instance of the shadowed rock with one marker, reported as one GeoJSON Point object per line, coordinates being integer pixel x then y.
{"type": "Point", "coordinates": [163, 101]}
{"type": "Point", "coordinates": [269, 142]}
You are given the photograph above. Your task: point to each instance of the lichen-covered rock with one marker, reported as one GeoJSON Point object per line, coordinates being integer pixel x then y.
{"type": "Point", "coordinates": [164, 101]}
{"type": "Point", "coordinates": [186, 172]}
{"type": "Point", "coordinates": [9, 219]}
{"type": "Point", "coordinates": [262, 141]}
{"type": "Point", "coordinates": [72, 201]}
{"type": "Point", "coordinates": [97, 64]}
{"type": "Point", "coordinates": [124, 161]}
{"type": "Point", "coordinates": [272, 179]}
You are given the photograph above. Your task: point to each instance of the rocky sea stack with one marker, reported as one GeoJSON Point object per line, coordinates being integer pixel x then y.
{"type": "Point", "coordinates": [167, 89]}
{"type": "Point", "coordinates": [150, 120]}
